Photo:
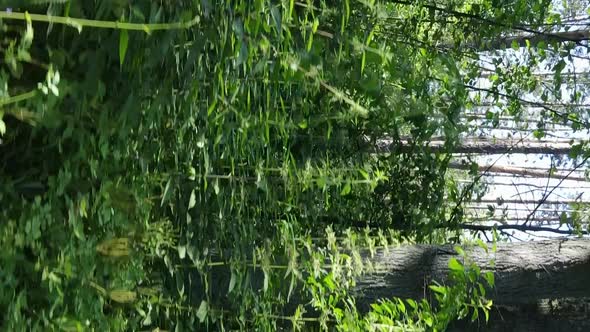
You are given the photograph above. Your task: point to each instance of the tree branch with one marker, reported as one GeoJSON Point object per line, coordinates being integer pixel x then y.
{"type": "Point", "coordinates": [552, 189]}
{"type": "Point", "coordinates": [522, 228]}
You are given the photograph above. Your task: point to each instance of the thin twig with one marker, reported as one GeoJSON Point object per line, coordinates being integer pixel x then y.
{"type": "Point", "coordinates": [556, 186]}
{"type": "Point", "coordinates": [522, 228]}
{"type": "Point", "coordinates": [472, 184]}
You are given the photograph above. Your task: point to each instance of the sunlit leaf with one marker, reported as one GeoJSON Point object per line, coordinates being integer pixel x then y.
{"type": "Point", "coordinates": [438, 289]}
{"type": "Point", "coordinates": [346, 189]}
{"type": "Point", "coordinates": [455, 265]}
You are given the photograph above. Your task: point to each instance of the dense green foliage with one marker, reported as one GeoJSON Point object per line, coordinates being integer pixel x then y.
{"type": "Point", "coordinates": [209, 164]}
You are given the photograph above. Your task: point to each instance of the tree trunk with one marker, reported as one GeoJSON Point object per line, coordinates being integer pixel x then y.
{"type": "Point", "coordinates": [529, 185]}
{"type": "Point", "coordinates": [529, 201]}
{"type": "Point", "coordinates": [576, 36]}
{"type": "Point", "coordinates": [504, 146]}
{"type": "Point", "coordinates": [579, 78]}
{"type": "Point", "coordinates": [489, 147]}
{"type": "Point", "coordinates": [546, 315]}
{"type": "Point", "coordinates": [524, 272]}
{"type": "Point", "coordinates": [518, 171]}
{"type": "Point", "coordinates": [522, 227]}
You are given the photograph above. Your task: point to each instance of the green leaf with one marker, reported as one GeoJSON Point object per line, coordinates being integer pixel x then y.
{"type": "Point", "coordinates": [232, 282]}
{"type": "Point", "coordinates": [363, 61]}
{"type": "Point", "coordinates": [309, 42]}
{"type": "Point", "coordinates": [489, 277]}
{"type": "Point", "coordinates": [166, 194]}
{"type": "Point", "coordinates": [123, 43]}
{"type": "Point", "coordinates": [539, 133]}
{"type": "Point", "coordinates": [438, 289]}
{"type": "Point", "coordinates": [559, 66]}
{"type": "Point", "coordinates": [181, 252]}
{"type": "Point", "coordinates": [291, 5]}
{"type": "Point", "coordinates": [455, 265]}
{"type": "Point", "coordinates": [137, 13]}
{"type": "Point", "coordinates": [78, 230]}
{"type": "Point", "coordinates": [212, 107]}
{"type": "Point", "coordinates": [329, 282]}
{"type": "Point", "coordinates": [2, 127]}
{"type": "Point", "coordinates": [460, 251]}
{"type": "Point", "coordinates": [23, 55]}
{"type": "Point", "coordinates": [364, 174]}
{"type": "Point", "coordinates": [482, 245]}
{"type": "Point", "coordinates": [202, 311]}
{"type": "Point", "coordinates": [515, 45]}
{"type": "Point", "coordinates": [276, 17]}
{"type": "Point", "coordinates": [346, 189]}
{"type": "Point", "coordinates": [216, 186]}
{"type": "Point", "coordinates": [146, 321]}
{"type": "Point", "coordinates": [401, 306]}
{"type": "Point", "coordinates": [28, 36]}
{"type": "Point", "coordinates": [482, 290]}
{"type": "Point", "coordinates": [238, 28]}
{"type": "Point", "coordinates": [322, 182]}
{"type": "Point", "coordinates": [192, 200]}
{"type": "Point", "coordinates": [243, 55]}
{"type": "Point", "coordinates": [347, 7]}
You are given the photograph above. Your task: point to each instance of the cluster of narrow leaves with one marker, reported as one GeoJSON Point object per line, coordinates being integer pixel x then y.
{"type": "Point", "coordinates": [169, 166]}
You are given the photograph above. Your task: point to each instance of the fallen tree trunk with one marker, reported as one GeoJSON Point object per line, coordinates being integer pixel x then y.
{"type": "Point", "coordinates": [527, 274]}
{"type": "Point", "coordinates": [524, 272]}
{"type": "Point", "coordinates": [545, 315]}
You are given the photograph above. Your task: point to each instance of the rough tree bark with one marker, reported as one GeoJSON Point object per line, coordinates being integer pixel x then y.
{"type": "Point", "coordinates": [575, 36]}
{"type": "Point", "coordinates": [488, 147]}
{"type": "Point", "coordinates": [525, 272]}
{"type": "Point", "coordinates": [518, 171]}
{"type": "Point", "coordinates": [549, 315]}
{"type": "Point", "coordinates": [530, 201]}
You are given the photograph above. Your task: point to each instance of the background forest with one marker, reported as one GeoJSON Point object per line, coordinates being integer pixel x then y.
{"type": "Point", "coordinates": [265, 165]}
